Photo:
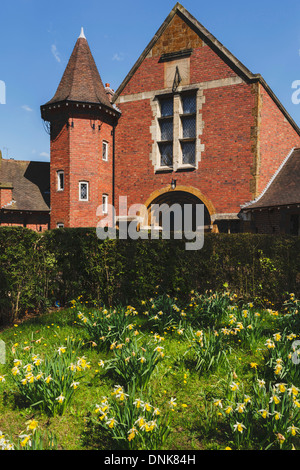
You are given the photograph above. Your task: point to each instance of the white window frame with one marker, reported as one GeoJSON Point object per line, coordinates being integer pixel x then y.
{"type": "Point", "coordinates": [104, 203]}
{"type": "Point", "coordinates": [105, 146]}
{"type": "Point", "coordinates": [60, 225]}
{"type": "Point", "coordinates": [60, 187]}
{"type": "Point", "coordinates": [87, 192]}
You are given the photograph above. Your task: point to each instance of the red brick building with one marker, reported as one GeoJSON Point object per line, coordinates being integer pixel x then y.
{"type": "Point", "coordinates": [191, 112]}
{"type": "Point", "coordinates": [188, 124]}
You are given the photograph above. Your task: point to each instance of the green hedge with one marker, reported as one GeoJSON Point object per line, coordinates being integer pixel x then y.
{"type": "Point", "coordinates": [37, 270]}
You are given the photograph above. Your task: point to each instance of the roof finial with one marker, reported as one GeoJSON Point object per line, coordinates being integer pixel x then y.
{"type": "Point", "coordinates": [82, 34]}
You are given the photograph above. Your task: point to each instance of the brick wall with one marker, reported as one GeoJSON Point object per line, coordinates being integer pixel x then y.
{"type": "Point", "coordinates": [277, 138]}
{"type": "Point", "coordinates": [223, 173]}
{"type": "Point", "coordinates": [59, 149]}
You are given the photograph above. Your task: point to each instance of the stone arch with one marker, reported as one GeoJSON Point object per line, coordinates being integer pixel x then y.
{"type": "Point", "coordinates": [181, 195]}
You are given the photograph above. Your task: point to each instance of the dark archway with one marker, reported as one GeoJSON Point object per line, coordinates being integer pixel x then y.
{"type": "Point", "coordinates": [166, 200]}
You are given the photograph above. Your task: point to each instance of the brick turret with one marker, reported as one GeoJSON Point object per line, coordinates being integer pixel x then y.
{"type": "Point", "coordinates": [82, 121]}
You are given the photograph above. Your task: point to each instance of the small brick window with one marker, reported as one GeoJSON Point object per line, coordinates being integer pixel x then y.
{"type": "Point", "coordinates": [83, 191]}
{"type": "Point", "coordinates": [104, 203]}
{"type": "Point", "coordinates": [60, 180]}
{"type": "Point", "coordinates": [105, 151]}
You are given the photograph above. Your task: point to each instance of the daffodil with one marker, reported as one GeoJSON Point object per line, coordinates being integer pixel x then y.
{"type": "Point", "coordinates": [140, 421]}
{"type": "Point", "coordinates": [275, 399]}
{"type": "Point", "coordinates": [261, 383]}
{"type": "Point", "coordinates": [132, 433]}
{"type": "Point", "coordinates": [48, 379]}
{"type": "Point", "coordinates": [17, 362]}
{"type": "Point", "coordinates": [281, 387]}
{"type": "Point", "coordinates": [15, 370]}
{"type": "Point", "coordinates": [60, 399]}
{"type": "Point", "coordinates": [32, 425]}
{"type": "Point", "coordinates": [61, 350]}
{"type": "Point", "coordinates": [293, 430]}
{"type": "Point", "coordinates": [278, 369]}
{"type": "Point", "coordinates": [234, 386]}
{"type": "Point", "coordinates": [270, 344]}
{"type": "Point", "coordinates": [218, 403]}
{"type": "Point", "coordinates": [111, 422]}
{"type": "Point", "coordinates": [240, 407]}
{"type": "Point", "coordinates": [25, 439]}
{"type": "Point", "coordinates": [146, 407]}
{"type": "Point", "coordinates": [264, 413]}
{"type": "Point", "coordinates": [74, 385]}
{"type": "Point", "coordinates": [172, 403]}
{"type": "Point", "coordinates": [293, 390]}
{"type": "Point", "coordinates": [138, 402]}
{"type": "Point", "coordinates": [239, 427]}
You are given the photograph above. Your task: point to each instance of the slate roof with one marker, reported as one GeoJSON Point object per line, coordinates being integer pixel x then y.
{"type": "Point", "coordinates": [30, 182]}
{"type": "Point", "coordinates": [284, 187]}
{"type": "Point", "coordinates": [81, 81]}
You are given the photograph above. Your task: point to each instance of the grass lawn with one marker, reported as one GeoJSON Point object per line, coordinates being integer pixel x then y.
{"type": "Point", "coordinates": [210, 373]}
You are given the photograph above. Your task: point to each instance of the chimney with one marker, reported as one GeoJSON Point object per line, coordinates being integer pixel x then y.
{"type": "Point", "coordinates": [109, 91]}
{"type": "Point", "coordinates": [6, 196]}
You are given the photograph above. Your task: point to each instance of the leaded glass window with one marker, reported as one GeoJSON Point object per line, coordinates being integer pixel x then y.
{"type": "Point", "coordinates": [188, 124]}
{"type": "Point", "coordinates": [166, 129]}
{"type": "Point", "coordinates": [83, 191]}
{"type": "Point", "coordinates": [188, 104]}
{"type": "Point", "coordinates": [166, 154]}
{"type": "Point", "coordinates": [188, 152]}
{"type": "Point", "coordinates": [166, 107]}
{"type": "Point", "coordinates": [188, 127]}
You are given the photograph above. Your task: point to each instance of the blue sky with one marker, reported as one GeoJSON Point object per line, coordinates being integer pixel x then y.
{"type": "Point", "coordinates": [38, 36]}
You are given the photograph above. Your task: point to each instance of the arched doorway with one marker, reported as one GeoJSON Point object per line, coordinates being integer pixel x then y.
{"type": "Point", "coordinates": [181, 196]}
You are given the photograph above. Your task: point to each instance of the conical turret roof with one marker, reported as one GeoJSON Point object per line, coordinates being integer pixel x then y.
{"type": "Point", "coordinates": [81, 80]}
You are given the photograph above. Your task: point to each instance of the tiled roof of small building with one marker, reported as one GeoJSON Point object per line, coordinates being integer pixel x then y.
{"type": "Point", "coordinates": [30, 182]}
{"type": "Point", "coordinates": [284, 187]}
{"type": "Point", "coordinates": [81, 80]}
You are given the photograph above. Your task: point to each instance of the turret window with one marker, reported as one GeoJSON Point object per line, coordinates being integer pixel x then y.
{"type": "Point", "coordinates": [105, 151]}
{"type": "Point", "coordinates": [105, 203]}
{"type": "Point", "coordinates": [60, 180]}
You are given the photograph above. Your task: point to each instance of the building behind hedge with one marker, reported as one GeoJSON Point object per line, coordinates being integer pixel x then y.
{"type": "Point", "coordinates": [189, 124]}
